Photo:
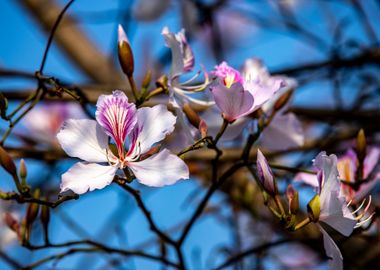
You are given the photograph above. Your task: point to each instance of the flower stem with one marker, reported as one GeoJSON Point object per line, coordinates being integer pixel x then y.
{"type": "Point", "coordinates": [302, 224]}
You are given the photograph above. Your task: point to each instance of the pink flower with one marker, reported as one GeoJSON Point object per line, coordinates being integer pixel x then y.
{"type": "Point", "coordinates": [138, 129]}
{"type": "Point", "coordinates": [44, 121]}
{"type": "Point", "coordinates": [333, 208]}
{"type": "Point", "coordinates": [348, 165]}
{"type": "Point", "coordinates": [237, 94]}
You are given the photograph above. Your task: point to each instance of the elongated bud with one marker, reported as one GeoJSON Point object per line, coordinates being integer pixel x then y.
{"type": "Point", "coordinates": [314, 208]}
{"type": "Point", "coordinates": [292, 199]}
{"type": "Point", "coordinates": [265, 174]}
{"type": "Point", "coordinates": [33, 208]}
{"type": "Point", "coordinates": [125, 53]}
{"type": "Point", "coordinates": [203, 128]}
{"type": "Point", "coordinates": [147, 79]}
{"type": "Point", "coordinates": [22, 170]}
{"type": "Point", "coordinates": [281, 102]}
{"type": "Point", "coordinates": [7, 162]}
{"type": "Point", "coordinates": [45, 220]}
{"type": "Point", "coordinates": [191, 115]}
{"type": "Point", "coordinates": [361, 145]}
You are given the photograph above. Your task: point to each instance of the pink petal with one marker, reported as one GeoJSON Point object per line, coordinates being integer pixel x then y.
{"type": "Point", "coordinates": [116, 116]}
{"type": "Point", "coordinates": [84, 139]}
{"type": "Point", "coordinates": [182, 55]}
{"type": "Point", "coordinates": [234, 102]}
{"type": "Point", "coordinates": [83, 177]}
{"type": "Point", "coordinates": [160, 169]}
{"type": "Point", "coordinates": [284, 132]}
{"type": "Point", "coordinates": [332, 251]}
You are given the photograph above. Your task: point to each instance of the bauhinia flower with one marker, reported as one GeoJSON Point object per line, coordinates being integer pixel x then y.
{"type": "Point", "coordinates": [348, 166]}
{"type": "Point", "coordinates": [7, 220]}
{"type": "Point", "coordinates": [43, 122]}
{"type": "Point", "coordinates": [183, 62]}
{"type": "Point", "coordinates": [330, 207]}
{"type": "Point", "coordinates": [183, 93]}
{"type": "Point", "coordinates": [239, 94]}
{"type": "Point", "coordinates": [134, 132]}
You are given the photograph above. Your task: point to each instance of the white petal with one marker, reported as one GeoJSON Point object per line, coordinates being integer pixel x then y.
{"type": "Point", "coordinates": [83, 177]}
{"type": "Point", "coordinates": [284, 132]}
{"type": "Point", "coordinates": [84, 139]}
{"type": "Point", "coordinates": [308, 179]}
{"type": "Point", "coordinates": [159, 170]}
{"type": "Point", "coordinates": [153, 124]}
{"type": "Point", "coordinates": [332, 251]}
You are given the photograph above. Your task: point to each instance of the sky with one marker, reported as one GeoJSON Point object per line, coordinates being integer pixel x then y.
{"type": "Point", "coordinates": [110, 214]}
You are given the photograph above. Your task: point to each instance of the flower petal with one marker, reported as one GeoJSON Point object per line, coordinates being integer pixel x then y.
{"type": "Point", "coordinates": [182, 55]}
{"type": "Point", "coordinates": [83, 177]}
{"type": "Point", "coordinates": [153, 124]}
{"type": "Point", "coordinates": [234, 102]}
{"type": "Point", "coordinates": [332, 251]}
{"type": "Point", "coordinates": [284, 132]}
{"type": "Point", "coordinates": [84, 139]}
{"type": "Point", "coordinates": [159, 170]}
{"type": "Point", "coordinates": [116, 116]}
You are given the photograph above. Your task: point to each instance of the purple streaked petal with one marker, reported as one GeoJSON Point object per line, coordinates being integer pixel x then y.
{"type": "Point", "coordinates": [116, 116]}
{"type": "Point", "coordinates": [371, 160]}
{"type": "Point", "coordinates": [234, 102]}
{"type": "Point", "coordinates": [265, 173]}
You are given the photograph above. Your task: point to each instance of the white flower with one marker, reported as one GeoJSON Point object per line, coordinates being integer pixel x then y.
{"type": "Point", "coordinates": [139, 129]}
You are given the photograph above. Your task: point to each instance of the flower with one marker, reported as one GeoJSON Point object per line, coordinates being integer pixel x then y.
{"type": "Point", "coordinates": [238, 95]}
{"type": "Point", "coordinates": [333, 209]}
{"type": "Point", "coordinates": [139, 129]}
{"type": "Point", "coordinates": [181, 93]}
{"type": "Point", "coordinates": [182, 62]}
{"type": "Point", "coordinates": [7, 236]}
{"type": "Point", "coordinates": [347, 167]}
{"type": "Point", "coordinates": [43, 122]}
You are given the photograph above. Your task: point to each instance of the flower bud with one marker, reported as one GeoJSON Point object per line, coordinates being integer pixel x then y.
{"type": "Point", "coordinates": [147, 79]}
{"type": "Point", "coordinates": [361, 145]}
{"type": "Point", "coordinates": [45, 219]}
{"type": "Point", "coordinates": [22, 169]}
{"type": "Point", "coordinates": [282, 100]}
{"type": "Point", "coordinates": [265, 174]}
{"type": "Point", "coordinates": [293, 199]}
{"type": "Point", "coordinates": [191, 115]}
{"type": "Point", "coordinates": [314, 208]}
{"type": "Point", "coordinates": [125, 53]}
{"type": "Point", "coordinates": [32, 210]}
{"type": "Point", "coordinates": [203, 128]}
{"type": "Point", "coordinates": [7, 162]}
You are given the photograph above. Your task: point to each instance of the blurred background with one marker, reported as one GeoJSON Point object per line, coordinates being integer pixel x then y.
{"type": "Point", "coordinates": [330, 47]}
